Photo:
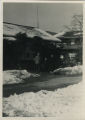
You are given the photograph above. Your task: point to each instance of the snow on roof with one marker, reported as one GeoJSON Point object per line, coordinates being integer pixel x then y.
{"type": "Point", "coordinates": [41, 33]}
{"type": "Point", "coordinates": [10, 38]}
{"type": "Point", "coordinates": [60, 34]}
{"type": "Point", "coordinates": [78, 33]}
{"type": "Point", "coordinates": [12, 30]}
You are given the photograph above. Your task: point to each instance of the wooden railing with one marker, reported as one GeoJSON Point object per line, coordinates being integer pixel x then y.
{"type": "Point", "coordinates": [76, 46]}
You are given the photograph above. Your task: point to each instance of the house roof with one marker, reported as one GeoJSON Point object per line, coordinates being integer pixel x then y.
{"type": "Point", "coordinates": [10, 29]}
{"type": "Point", "coordinates": [69, 34]}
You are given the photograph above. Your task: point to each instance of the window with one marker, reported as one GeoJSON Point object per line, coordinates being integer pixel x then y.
{"type": "Point", "coordinates": [72, 55]}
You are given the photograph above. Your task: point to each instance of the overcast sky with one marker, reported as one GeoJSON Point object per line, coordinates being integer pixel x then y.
{"type": "Point", "coordinates": [52, 16]}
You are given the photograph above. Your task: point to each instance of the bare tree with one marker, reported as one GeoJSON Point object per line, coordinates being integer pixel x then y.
{"type": "Point", "coordinates": [76, 23]}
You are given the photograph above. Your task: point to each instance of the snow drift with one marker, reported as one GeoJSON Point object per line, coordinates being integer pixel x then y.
{"type": "Point", "coordinates": [16, 76]}
{"type": "Point", "coordinates": [61, 103]}
{"type": "Point", "coordinates": [75, 70]}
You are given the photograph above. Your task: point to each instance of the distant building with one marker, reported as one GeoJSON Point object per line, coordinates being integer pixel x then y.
{"type": "Point", "coordinates": [72, 46]}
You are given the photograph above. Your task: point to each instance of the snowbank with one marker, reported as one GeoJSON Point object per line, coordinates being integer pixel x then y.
{"type": "Point", "coordinates": [76, 70]}
{"type": "Point", "coordinates": [16, 76]}
{"type": "Point", "coordinates": [60, 103]}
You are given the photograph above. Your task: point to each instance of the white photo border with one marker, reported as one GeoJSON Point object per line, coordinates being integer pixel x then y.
{"type": "Point", "coordinates": [1, 60]}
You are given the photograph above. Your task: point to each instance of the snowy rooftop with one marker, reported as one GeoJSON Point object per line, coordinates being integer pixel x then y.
{"type": "Point", "coordinates": [60, 34]}
{"type": "Point", "coordinates": [68, 34]}
{"type": "Point", "coordinates": [13, 29]}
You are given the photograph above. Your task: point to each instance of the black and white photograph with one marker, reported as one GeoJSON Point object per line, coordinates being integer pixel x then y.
{"type": "Point", "coordinates": [42, 60]}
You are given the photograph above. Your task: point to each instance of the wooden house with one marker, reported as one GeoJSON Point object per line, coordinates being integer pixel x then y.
{"type": "Point", "coordinates": [72, 47]}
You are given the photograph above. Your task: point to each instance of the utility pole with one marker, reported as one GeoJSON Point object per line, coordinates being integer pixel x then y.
{"type": "Point", "coordinates": [37, 17]}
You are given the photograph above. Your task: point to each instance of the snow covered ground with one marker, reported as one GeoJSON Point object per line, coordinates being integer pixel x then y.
{"type": "Point", "coordinates": [62, 103]}
{"type": "Point", "coordinates": [75, 70]}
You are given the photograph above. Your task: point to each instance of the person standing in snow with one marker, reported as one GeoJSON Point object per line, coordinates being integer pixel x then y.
{"type": "Point", "coordinates": [37, 61]}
